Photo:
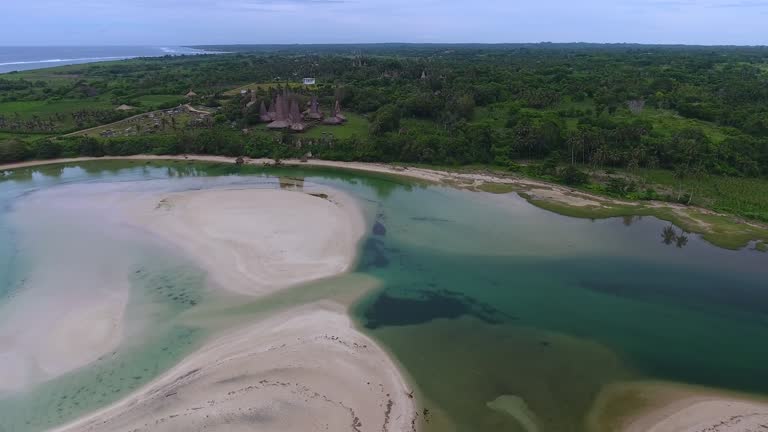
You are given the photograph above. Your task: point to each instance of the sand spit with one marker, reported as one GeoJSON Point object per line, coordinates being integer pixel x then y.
{"type": "Point", "coordinates": [257, 241]}
{"type": "Point", "coordinates": [670, 407]}
{"type": "Point", "coordinates": [305, 369]}
{"type": "Point", "coordinates": [60, 317]}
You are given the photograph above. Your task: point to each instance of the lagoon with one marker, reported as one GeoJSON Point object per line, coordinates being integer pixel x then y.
{"type": "Point", "coordinates": [504, 316]}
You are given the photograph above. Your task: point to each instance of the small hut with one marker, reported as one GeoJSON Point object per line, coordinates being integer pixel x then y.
{"type": "Point", "coordinates": [191, 94]}
{"type": "Point", "coordinates": [124, 107]}
{"type": "Point", "coordinates": [336, 118]}
{"type": "Point", "coordinates": [313, 113]}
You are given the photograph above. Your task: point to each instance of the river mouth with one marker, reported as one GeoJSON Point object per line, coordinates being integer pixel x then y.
{"type": "Point", "coordinates": [484, 300]}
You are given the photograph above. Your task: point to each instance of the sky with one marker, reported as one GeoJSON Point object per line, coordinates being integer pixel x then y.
{"type": "Point", "coordinates": [189, 22]}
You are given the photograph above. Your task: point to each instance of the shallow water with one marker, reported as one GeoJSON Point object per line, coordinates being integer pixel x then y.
{"type": "Point", "coordinates": [482, 296]}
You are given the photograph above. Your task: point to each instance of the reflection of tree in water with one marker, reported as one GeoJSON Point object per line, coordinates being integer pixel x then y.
{"type": "Point", "coordinates": [629, 220]}
{"type": "Point", "coordinates": [669, 236]}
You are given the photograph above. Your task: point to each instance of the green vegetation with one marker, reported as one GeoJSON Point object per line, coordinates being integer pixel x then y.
{"type": "Point", "coordinates": [747, 197]}
{"type": "Point", "coordinates": [680, 124]}
{"type": "Point", "coordinates": [721, 230]}
{"type": "Point", "coordinates": [266, 86]}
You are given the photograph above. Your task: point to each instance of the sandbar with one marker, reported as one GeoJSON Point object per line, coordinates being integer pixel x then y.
{"type": "Point", "coordinates": [303, 369]}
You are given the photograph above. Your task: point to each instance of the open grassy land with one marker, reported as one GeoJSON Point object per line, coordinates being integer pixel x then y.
{"type": "Point", "coordinates": [747, 197]}
{"type": "Point", "coordinates": [138, 125]}
{"type": "Point", "coordinates": [268, 86]}
{"type": "Point", "coordinates": [23, 137]}
{"type": "Point", "coordinates": [356, 125]}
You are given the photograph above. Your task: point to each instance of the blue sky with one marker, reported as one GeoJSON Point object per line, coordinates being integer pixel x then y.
{"type": "Point", "coordinates": [179, 22]}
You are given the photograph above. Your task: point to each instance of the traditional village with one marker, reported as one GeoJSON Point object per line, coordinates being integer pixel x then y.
{"type": "Point", "coordinates": [284, 112]}
{"type": "Point", "coordinates": [281, 110]}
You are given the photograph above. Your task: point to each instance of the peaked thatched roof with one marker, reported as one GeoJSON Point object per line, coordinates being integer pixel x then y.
{"type": "Point", "coordinates": [124, 107]}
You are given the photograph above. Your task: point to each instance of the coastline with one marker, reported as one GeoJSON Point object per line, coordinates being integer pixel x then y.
{"type": "Point", "coordinates": [300, 368]}
{"type": "Point", "coordinates": [655, 406]}
{"type": "Point", "coordinates": [655, 419]}
{"type": "Point", "coordinates": [295, 368]}
{"type": "Point", "coordinates": [257, 241]}
{"type": "Point", "coordinates": [291, 368]}
{"type": "Point", "coordinates": [722, 230]}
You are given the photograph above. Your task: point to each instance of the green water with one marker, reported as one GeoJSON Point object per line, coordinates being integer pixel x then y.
{"type": "Point", "coordinates": [482, 297]}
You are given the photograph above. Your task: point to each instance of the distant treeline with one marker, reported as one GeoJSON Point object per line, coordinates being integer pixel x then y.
{"type": "Point", "coordinates": [689, 109]}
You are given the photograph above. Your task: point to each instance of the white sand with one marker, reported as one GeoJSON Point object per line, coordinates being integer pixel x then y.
{"type": "Point", "coordinates": [671, 407]}
{"type": "Point", "coordinates": [305, 369]}
{"type": "Point", "coordinates": [257, 241]}
{"type": "Point", "coordinates": [302, 369]}
{"type": "Point", "coordinates": [70, 309]}
{"type": "Point", "coordinates": [716, 415]}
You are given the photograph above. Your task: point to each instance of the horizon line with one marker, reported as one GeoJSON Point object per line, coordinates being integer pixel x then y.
{"type": "Point", "coordinates": [297, 44]}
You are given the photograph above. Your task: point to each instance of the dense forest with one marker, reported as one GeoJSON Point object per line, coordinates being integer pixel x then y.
{"type": "Point", "coordinates": [557, 110]}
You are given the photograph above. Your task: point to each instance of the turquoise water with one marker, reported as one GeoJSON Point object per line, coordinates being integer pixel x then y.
{"type": "Point", "coordinates": [482, 296]}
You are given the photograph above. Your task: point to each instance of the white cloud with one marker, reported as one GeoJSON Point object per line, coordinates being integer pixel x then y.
{"type": "Point", "coordinates": [335, 21]}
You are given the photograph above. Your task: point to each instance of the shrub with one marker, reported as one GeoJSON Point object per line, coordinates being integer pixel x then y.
{"type": "Point", "coordinates": [572, 176]}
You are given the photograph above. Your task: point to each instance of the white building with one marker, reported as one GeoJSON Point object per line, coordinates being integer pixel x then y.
{"type": "Point", "coordinates": [309, 81]}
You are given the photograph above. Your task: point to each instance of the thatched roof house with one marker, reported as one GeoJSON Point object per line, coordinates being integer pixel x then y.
{"type": "Point", "coordinates": [336, 118]}
{"type": "Point", "coordinates": [124, 107]}
{"type": "Point", "coordinates": [191, 94]}
{"type": "Point", "coordinates": [314, 113]}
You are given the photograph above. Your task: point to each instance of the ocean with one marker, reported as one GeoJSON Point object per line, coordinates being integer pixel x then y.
{"type": "Point", "coordinates": [28, 58]}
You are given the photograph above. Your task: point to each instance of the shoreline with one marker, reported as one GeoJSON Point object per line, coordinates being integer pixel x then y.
{"type": "Point", "coordinates": [257, 241]}
{"type": "Point", "coordinates": [722, 230]}
{"type": "Point", "coordinates": [292, 368]}
{"type": "Point", "coordinates": [656, 420]}
{"type": "Point", "coordinates": [269, 373]}
{"type": "Point", "coordinates": [657, 406]}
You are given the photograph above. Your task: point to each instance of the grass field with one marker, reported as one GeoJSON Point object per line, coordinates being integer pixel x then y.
{"type": "Point", "coordinates": [47, 110]}
{"type": "Point", "coordinates": [747, 197]}
{"type": "Point", "coordinates": [23, 137]}
{"type": "Point", "coordinates": [266, 86]}
{"type": "Point", "coordinates": [356, 125]}
{"type": "Point", "coordinates": [28, 109]}
{"type": "Point", "coordinates": [669, 122]}
{"type": "Point", "coordinates": [154, 101]}
{"type": "Point", "coordinates": [143, 122]}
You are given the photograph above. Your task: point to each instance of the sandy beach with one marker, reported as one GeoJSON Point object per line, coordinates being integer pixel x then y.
{"type": "Point", "coordinates": [298, 369]}
{"type": "Point", "coordinates": [305, 369]}
{"type": "Point", "coordinates": [671, 407]}
{"type": "Point", "coordinates": [256, 241]}
{"type": "Point", "coordinates": [62, 317]}
{"type": "Point", "coordinates": [539, 190]}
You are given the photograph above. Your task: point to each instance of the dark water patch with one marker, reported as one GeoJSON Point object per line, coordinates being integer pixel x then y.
{"type": "Point", "coordinates": [426, 305]}
{"type": "Point", "coordinates": [379, 229]}
{"type": "Point", "coordinates": [374, 255]}
{"type": "Point", "coordinates": [705, 291]}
